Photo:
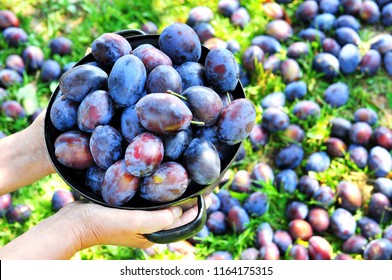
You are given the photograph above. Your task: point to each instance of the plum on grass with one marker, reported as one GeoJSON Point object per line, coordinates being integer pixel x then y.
{"type": "Point", "coordinates": [325, 196]}
{"type": "Point", "coordinates": [50, 71]}
{"type": "Point", "coordinates": [380, 161]}
{"type": "Point", "coordinates": [370, 63]}
{"type": "Point", "coordinates": [311, 34]}
{"type": "Point", "coordinates": [5, 203]}
{"type": "Point", "coordinates": [256, 204]}
{"type": "Point", "coordinates": [319, 219]}
{"type": "Point", "coordinates": [318, 162]}
{"type": "Point", "coordinates": [163, 78]}
{"type": "Point", "coordinates": [109, 47]}
{"type": "Point", "coordinates": [369, 12]}
{"type": "Point", "coordinates": [220, 256]}
{"type": "Point", "coordinates": [382, 136]}
{"type": "Point", "coordinates": [366, 115]}
{"type": "Point", "coordinates": [307, 10]}
{"type": "Point", "coordinates": [276, 99]}
{"type": "Point", "coordinates": [33, 58]}
{"type": "Point", "coordinates": [118, 185]}
{"type": "Point", "coordinates": [12, 109]}
{"type": "Point", "coordinates": [252, 57]}
{"type": "Point", "coordinates": [351, 7]}
{"type": "Point", "coordinates": [199, 14]}
{"type": "Point", "coordinates": [240, 17]}
{"type": "Point", "coordinates": [388, 62]}
{"type": "Point", "coordinates": [379, 208]}
{"type": "Point", "coordinates": [202, 162]}
{"type": "Point", "coordinates": [275, 119]}
{"type": "Point", "coordinates": [250, 254]}
{"type": "Point", "coordinates": [127, 80]}
{"type": "Point", "coordinates": [289, 157]}
{"type": "Point", "coordinates": [204, 31]}
{"type": "Point", "coordinates": [319, 248]}
{"type": "Point", "coordinates": [299, 252]}
{"type": "Point", "coordinates": [60, 45]}
{"type": "Point", "coordinates": [227, 201]}
{"type": "Point", "coordinates": [61, 198]}
{"type": "Point", "coordinates": [279, 29]}
{"type": "Point", "coordinates": [343, 224]}
{"type": "Point", "coordinates": [369, 227]}
{"type": "Point", "coordinates": [72, 149]}
{"type": "Point", "coordinates": [286, 180]}
{"type": "Point", "coordinates": [296, 90]}
{"type": "Point", "coordinates": [15, 62]}
{"type": "Point", "coordinates": [384, 185]}
{"type": "Point", "coordinates": [264, 235]}
{"type": "Point", "coordinates": [163, 113]}
{"type": "Point", "coordinates": [227, 7]}
{"type": "Point", "coordinates": [79, 81]}
{"type": "Point", "coordinates": [262, 173]}
{"type": "Point", "coordinates": [335, 147]}
{"type": "Point", "coordinates": [97, 108]}
{"type": "Point", "coordinates": [295, 133]}
{"type": "Point", "coordinates": [297, 50]}
{"type": "Point", "coordinates": [296, 210]}
{"type": "Point", "coordinates": [340, 127]}
{"type": "Point", "coordinates": [349, 196]}
{"type": "Point", "coordinates": [144, 154]}
{"type": "Point", "coordinates": [290, 70]}
{"type": "Point", "coordinates": [215, 203]}
{"type": "Point", "coordinates": [267, 43]}
{"type": "Point", "coordinates": [354, 244]}
{"type": "Point", "coordinates": [8, 19]}
{"type": "Point", "coordinates": [259, 137]}
{"type": "Point", "coordinates": [349, 58]}
{"type": "Point", "coordinates": [165, 184]}
{"type": "Point", "coordinates": [180, 42]}
{"type": "Point", "coordinates": [331, 46]}
{"type": "Point", "coordinates": [238, 219]}
{"type": "Point", "coordinates": [241, 182]}
{"type": "Point", "coordinates": [151, 57]}
{"type": "Point", "coordinates": [15, 36]}
{"type": "Point", "coordinates": [308, 185]}
{"type": "Point", "coordinates": [94, 178]}
{"type": "Point", "coordinates": [359, 155]}
{"type": "Point", "coordinates": [343, 257]}
{"type": "Point", "coordinates": [106, 145]}
{"type": "Point", "coordinates": [217, 223]}
{"type": "Point", "coordinates": [130, 124]}
{"type": "Point", "coordinates": [236, 121]}
{"type": "Point", "coordinates": [300, 229]}
{"type": "Point", "coordinates": [378, 249]}
{"type": "Point", "coordinates": [283, 240]}
{"type": "Point", "coordinates": [324, 22]}
{"type": "Point", "coordinates": [9, 77]}
{"type": "Point", "coordinates": [337, 94]}
{"type": "Point", "coordinates": [346, 20]}
{"type": "Point", "coordinates": [269, 251]}
{"type": "Point", "coordinates": [360, 133]}
{"type": "Point", "coordinates": [205, 104]}
{"type": "Point", "coordinates": [386, 15]}
{"type": "Point", "coordinates": [192, 74]}
{"type": "Point", "coordinates": [174, 144]}
{"type": "Point", "coordinates": [222, 70]}
{"type": "Point", "coordinates": [347, 35]}
{"type": "Point", "coordinates": [306, 109]}
{"type": "Point", "coordinates": [19, 213]}
{"type": "Point", "coordinates": [388, 233]}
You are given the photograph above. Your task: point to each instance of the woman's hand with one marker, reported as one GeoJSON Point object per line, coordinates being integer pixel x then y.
{"type": "Point", "coordinates": [82, 225]}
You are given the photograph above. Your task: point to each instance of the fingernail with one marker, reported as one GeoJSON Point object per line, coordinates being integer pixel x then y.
{"type": "Point", "coordinates": [177, 212]}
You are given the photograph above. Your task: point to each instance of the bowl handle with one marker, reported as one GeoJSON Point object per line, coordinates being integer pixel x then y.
{"type": "Point", "coordinates": [183, 232]}
{"type": "Point", "coordinates": [127, 33]}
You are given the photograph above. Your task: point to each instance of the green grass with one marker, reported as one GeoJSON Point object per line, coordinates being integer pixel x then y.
{"type": "Point", "coordinates": [83, 21]}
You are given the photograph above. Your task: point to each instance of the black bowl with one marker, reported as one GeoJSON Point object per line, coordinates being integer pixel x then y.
{"type": "Point", "coordinates": [194, 193]}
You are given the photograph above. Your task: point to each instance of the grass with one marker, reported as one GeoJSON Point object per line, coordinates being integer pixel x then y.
{"type": "Point", "coordinates": [83, 21]}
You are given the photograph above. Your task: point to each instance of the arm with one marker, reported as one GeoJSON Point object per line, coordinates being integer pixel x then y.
{"type": "Point", "coordinates": [23, 157]}
{"type": "Point", "coordinates": [82, 225]}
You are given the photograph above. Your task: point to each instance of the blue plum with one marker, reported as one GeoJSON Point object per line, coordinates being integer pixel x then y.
{"type": "Point", "coordinates": [290, 70]}
{"type": "Point", "coordinates": [289, 157]}
{"type": "Point", "coordinates": [318, 162]}
{"type": "Point", "coordinates": [130, 123]}
{"type": "Point", "coordinates": [262, 173]}
{"type": "Point", "coordinates": [192, 74]}
{"type": "Point", "coordinates": [349, 196]}
{"type": "Point", "coordinates": [383, 185]}
{"type": "Point", "coordinates": [60, 45]}
{"type": "Point", "coordinates": [346, 35]}
{"type": "Point", "coordinates": [349, 58]}
{"type": "Point", "coordinates": [269, 251]}
{"type": "Point", "coordinates": [163, 78]}
{"type": "Point", "coordinates": [275, 99]}
{"type": "Point", "coordinates": [61, 198]}
{"type": "Point", "coordinates": [319, 219]}
{"type": "Point", "coordinates": [296, 210]}
{"type": "Point", "coordinates": [250, 254]}
{"type": "Point", "coordinates": [324, 22]}
{"type": "Point", "coordinates": [343, 224]}
{"type": "Point", "coordinates": [238, 219]}
{"type": "Point", "coordinates": [366, 115]}
{"type": "Point", "coordinates": [360, 133]}
{"type": "Point", "coordinates": [199, 14]}
{"type": "Point", "coordinates": [308, 185]}
{"type": "Point", "coordinates": [311, 34]}
{"type": "Point", "coordinates": [295, 133]}
{"type": "Point", "coordinates": [267, 43]}
{"type": "Point", "coordinates": [369, 12]}
{"type": "Point", "coordinates": [109, 47]}
{"type": "Point", "coordinates": [286, 180]}
{"type": "Point", "coordinates": [279, 29]}
{"type": "Point", "coordinates": [382, 136]}
{"type": "Point", "coordinates": [94, 178]}
{"type": "Point", "coordinates": [15, 36]}
{"type": "Point", "coordinates": [331, 46]}
{"type": "Point", "coordinates": [354, 244]}
{"type": "Point", "coordinates": [325, 195]}
{"type": "Point", "coordinates": [256, 204]}
{"type": "Point", "coordinates": [370, 229]}
{"type": "Point", "coordinates": [241, 182]}
{"type": "Point", "coordinates": [252, 58]}
{"type": "Point", "coordinates": [151, 57]}
{"type": "Point", "coordinates": [264, 235]}
{"type": "Point", "coordinates": [298, 50]}
{"type": "Point", "coordinates": [299, 252]}
{"type": "Point", "coordinates": [370, 63]}
{"type": "Point", "coordinates": [175, 144]}
{"type": "Point", "coordinates": [274, 119]}
{"type": "Point", "coordinates": [307, 10]}
{"type": "Point", "coordinates": [18, 213]}
{"type": "Point", "coordinates": [296, 90]}
{"type": "Point", "coordinates": [340, 127]}
{"type": "Point", "coordinates": [335, 147]}
{"type": "Point", "coordinates": [240, 17]}
{"type": "Point", "coordinates": [12, 109]}
{"type": "Point", "coordinates": [379, 208]}
{"type": "Point", "coordinates": [337, 94]}
{"type": "Point", "coordinates": [217, 223]}
{"type": "Point", "coordinates": [50, 71]}
{"type": "Point", "coordinates": [306, 109]}
{"type": "Point", "coordinates": [380, 161]}
{"type": "Point", "coordinates": [378, 249]}
{"type": "Point", "coordinates": [259, 137]}
{"type": "Point", "coordinates": [283, 240]}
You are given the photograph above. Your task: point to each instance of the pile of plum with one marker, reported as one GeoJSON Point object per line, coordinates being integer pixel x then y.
{"type": "Point", "coordinates": [150, 120]}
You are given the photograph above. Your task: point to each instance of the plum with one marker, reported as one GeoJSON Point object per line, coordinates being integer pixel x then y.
{"type": "Point", "coordinates": [61, 198]}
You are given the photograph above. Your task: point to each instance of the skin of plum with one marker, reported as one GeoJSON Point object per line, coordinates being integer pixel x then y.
{"type": "Point", "coordinates": [264, 235]}
{"type": "Point", "coordinates": [94, 178]}
{"type": "Point", "coordinates": [15, 62]}
{"type": "Point", "coordinates": [19, 213]}
{"type": "Point", "coordinates": [50, 71]}
{"type": "Point", "coordinates": [222, 70]}
{"type": "Point", "coordinates": [106, 145]}
{"type": "Point", "coordinates": [204, 103]}
{"type": "Point", "coordinates": [63, 113]}
{"type": "Point", "coordinates": [319, 248]}
{"type": "Point", "coordinates": [8, 19]}
{"type": "Point", "coordinates": [144, 154]}
{"type": "Point", "coordinates": [238, 219]}
{"type": "Point", "coordinates": [151, 56]}
{"type": "Point", "coordinates": [97, 108]}
{"type": "Point", "coordinates": [202, 161]}
{"type": "Point", "coordinates": [349, 196]}
{"type": "Point", "coordinates": [166, 184]}
{"type": "Point", "coordinates": [163, 113]}
{"type": "Point", "coordinates": [14, 36]}
{"type": "Point", "coordinates": [274, 119]}
{"type": "Point", "coordinates": [109, 47]}
{"type": "Point", "coordinates": [267, 43]}
{"type": "Point", "coordinates": [180, 42]}
{"type": "Point", "coordinates": [217, 222]}
{"type": "Point", "coordinates": [79, 81]}
{"type": "Point", "coordinates": [175, 144]}
{"type": "Point", "coordinates": [163, 78]}
{"type": "Point", "coordinates": [318, 218]}
{"type": "Point", "coordinates": [118, 185]}
{"type": "Point", "coordinates": [343, 224]}
{"type": "Point", "coordinates": [236, 121]}
{"type": "Point", "coordinates": [130, 124]}
{"type": "Point", "coordinates": [300, 229]}
{"type": "Point", "coordinates": [127, 80]}
{"type": "Point", "coordinates": [72, 150]}
{"type": "Point", "coordinates": [192, 74]}
{"type": "Point", "coordinates": [12, 109]}
{"type": "Point", "coordinates": [9, 77]}
{"type": "Point", "coordinates": [61, 46]}
{"type": "Point", "coordinates": [289, 157]}
{"type": "Point", "coordinates": [61, 198]}
{"type": "Point", "coordinates": [299, 252]}
{"type": "Point", "coordinates": [33, 58]}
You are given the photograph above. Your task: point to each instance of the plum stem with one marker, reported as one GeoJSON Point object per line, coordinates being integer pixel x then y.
{"type": "Point", "coordinates": [198, 123]}
{"type": "Point", "coordinates": [228, 97]}
{"type": "Point", "coordinates": [176, 94]}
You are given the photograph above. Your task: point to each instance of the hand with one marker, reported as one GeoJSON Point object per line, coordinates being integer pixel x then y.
{"type": "Point", "coordinates": [82, 225]}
